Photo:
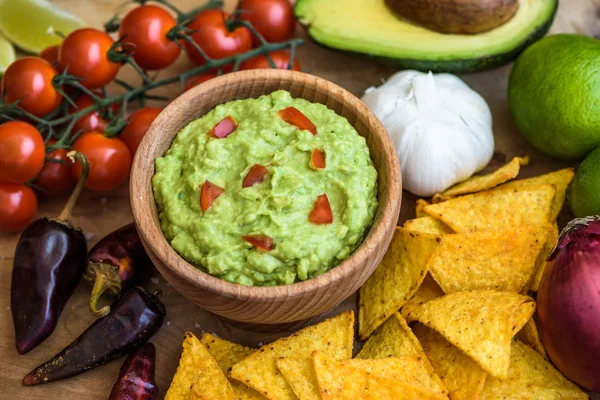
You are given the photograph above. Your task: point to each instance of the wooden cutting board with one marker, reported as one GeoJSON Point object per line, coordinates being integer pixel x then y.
{"type": "Point", "coordinates": [100, 213]}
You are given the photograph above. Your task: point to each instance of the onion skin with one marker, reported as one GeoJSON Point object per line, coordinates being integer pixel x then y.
{"type": "Point", "coordinates": [569, 303]}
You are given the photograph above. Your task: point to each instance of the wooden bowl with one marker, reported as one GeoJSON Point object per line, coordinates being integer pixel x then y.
{"type": "Point", "coordinates": [277, 304]}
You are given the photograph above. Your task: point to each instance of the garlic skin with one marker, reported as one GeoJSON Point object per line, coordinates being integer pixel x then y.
{"type": "Point", "coordinates": [440, 127]}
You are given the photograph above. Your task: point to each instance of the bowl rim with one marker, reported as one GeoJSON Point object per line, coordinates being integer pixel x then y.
{"type": "Point", "coordinates": [153, 236]}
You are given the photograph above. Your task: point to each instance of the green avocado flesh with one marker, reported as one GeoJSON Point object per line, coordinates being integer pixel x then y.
{"type": "Point", "coordinates": [370, 27]}
{"type": "Point", "coordinates": [280, 205]}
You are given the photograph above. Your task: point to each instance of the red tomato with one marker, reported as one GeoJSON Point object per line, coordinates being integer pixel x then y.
{"type": "Point", "coordinates": [198, 79]}
{"type": "Point", "coordinates": [29, 79]}
{"type": "Point", "coordinates": [215, 39]}
{"type": "Point", "coordinates": [208, 194]}
{"type": "Point", "coordinates": [281, 58]}
{"type": "Point", "coordinates": [256, 175]}
{"type": "Point", "coordinates": [261, 242]}
{"type": "Point", "coordinates": [56, 178]}
{"type": "Point", "coordinates": [321, 214]}
{"type": "Point", "coordinates": [146, 27]}
{"type": "Point", "coordinates": [110, 161]}
{"type": "Point", "coordinates": [224, 128]}
{"type": "Point", "coordinates": [89, 122]}
{"type": "Point", "coordinates": [274, 19]}
{"type": "Point", "coordinates": [84, 53]}
{"type": "Point", "coordinates": [295, 117]}
{"type": "Point", "coordinates": [21, 152]}
{"type": "Point", "coordinates": [50, 54]}
{"type": "Point", "coordinates": [317, 160]}
{"type": "Point", "coordinates": [18, 206]}
{"type": "Point", "coordinates": [139, 122]}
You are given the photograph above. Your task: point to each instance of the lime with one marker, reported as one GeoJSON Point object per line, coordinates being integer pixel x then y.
{"type": "Point", "coordinates": [584, 191]}
{"type": "Point", "coordinates": [7, 54]}
{"type": "Point", "coordinates": [554, 95]}
{"type": "Point", "coordinates": [31, 24]}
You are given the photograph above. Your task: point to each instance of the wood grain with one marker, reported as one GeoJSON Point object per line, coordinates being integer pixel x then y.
{"type": "Point", "coordinates": [100, 213]}
{"type": "Point", "coordinates": [278, 304]}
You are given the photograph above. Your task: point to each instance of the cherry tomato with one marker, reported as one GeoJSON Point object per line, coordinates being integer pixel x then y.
{"type": "Point", "coordinates": [29, 79]}
{"type": "Point", "coordinates": [110, 161]}
{"type": "Point", "coordinates": [281, 58]}
{"type": "Point", "coordinates": [198, 79]}
{"type": "Point", "coordinates": [50, 54]}
{"type": "Point", "coordinates": [274, 19]}
{"type": "Point", "coordinates": [146, 27]}
{"type": "Point", "coordinates": [56, 178]}
{"type": "Point", "coordinates": [89, 122]}
{"type": "Point", "coordinates": [21, 152]}
{"type": "Point", "coordinates": [84, 53]}
{"type": "Point", "coordinates": [18, 205]}
{"type": "Point", "coordinates": [139, 122]}
{"type": "Point", "coordinates": [215, 39]}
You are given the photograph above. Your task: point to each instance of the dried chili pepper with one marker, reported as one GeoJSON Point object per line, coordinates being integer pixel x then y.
{"type": "Point", "coordinates": [132, 321]}
{"type": "Point", "coordinates": [49, 262]}
{"type": "Point", "coordinates": [115, 263]}
{"type": "Point", "coordinates": [136, 378]}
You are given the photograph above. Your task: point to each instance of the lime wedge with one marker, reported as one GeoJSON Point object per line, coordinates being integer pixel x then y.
{"type": "Point", "coordinates": [30, 24]}
{"type": "Point", "coordinates": [7, 54]}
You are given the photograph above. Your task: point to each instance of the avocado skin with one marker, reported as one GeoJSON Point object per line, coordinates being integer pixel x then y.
{"type": "Point", "coordinates": [458, 66]}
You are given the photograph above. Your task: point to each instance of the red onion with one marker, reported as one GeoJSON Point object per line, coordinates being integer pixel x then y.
{"type": "Point", "coordinates": [569, 303]}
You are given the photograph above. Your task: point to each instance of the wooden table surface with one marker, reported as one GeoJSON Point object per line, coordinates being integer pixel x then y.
{"type": "Point", "coordinates": [100, 213]}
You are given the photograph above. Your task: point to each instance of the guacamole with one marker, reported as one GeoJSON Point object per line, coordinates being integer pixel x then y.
{"type": "Point", "coordinates": [211, 167]}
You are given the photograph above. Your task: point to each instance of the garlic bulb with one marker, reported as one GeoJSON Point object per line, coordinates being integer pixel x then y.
{"type": "Point", "coordinates": [441, 128]}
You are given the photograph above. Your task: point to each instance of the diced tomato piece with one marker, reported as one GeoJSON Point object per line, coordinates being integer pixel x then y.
{"type": "Point", "coordinates": [224, 128]}
{"type": "Point", "coordinates": [208, 194]}
{"type": "Point", "coordinates": [255, 175]}
{"type": "Point", "coordinates": [262, 242]}
{"type": "Point", "coordinates": [318, 159]}
{"type": "Point", "coordinates": [293, 116]}
{"type": "Point", "coordinates": [321, 214]}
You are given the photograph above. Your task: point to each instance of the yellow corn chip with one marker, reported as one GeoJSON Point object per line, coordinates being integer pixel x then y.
{"type": "Point", "coordinates": [226, 354]}
{"type": "Point", "coordinates": [480, 323]}
{"type": "Point", "coordinates": [420, 208]}
{"type": "Point", "coordinates": [428, 290]}
{"type": "Point", "coordinates": [531, 337]}
{"type": "Point", "coordinates": [198, 375]}
{"type": "Point", "coordinates": [479, 183]}
{"type": "Point", "coordinates": [500, 207]}
{"type": "Point", "coordinates": [463, 377]}
{"type": "Point", "coordinates": [334, 337]}
{"type": "Point", "coordinates": [559, 179]}
{"type": "Point", "coordinates": [427, 224]}
{"type": "Point", "coordinates": [300, 375]}
{"type": "Point", "coordinates": [502, 260]}
{"type": "Point", "coordinates": [365, 379]}
{"type": "Point", "coordinates": [395, 339]}
{"type": "Point", "coordinates": [530, 377]}
{"type": "Point", "coordinates": [534, 283]}
{"type": "Point", "coordinates": [396, 279]}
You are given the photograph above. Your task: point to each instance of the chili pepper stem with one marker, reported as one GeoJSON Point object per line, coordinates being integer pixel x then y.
{"type": "Point", "coordinates": [67, 212]}
{"type": "Point", "coordinates": [106, 278]}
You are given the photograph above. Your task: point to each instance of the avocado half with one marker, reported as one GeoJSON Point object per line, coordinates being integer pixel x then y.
{"type": "Point", "coordinates": [370, 27]}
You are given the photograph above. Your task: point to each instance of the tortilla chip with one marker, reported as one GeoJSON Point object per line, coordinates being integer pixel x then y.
{"type": "Point", "coordinates": [300, 375]}
{"type": "Point", "coordinates": [534, 283]}
{"type": "Point", "coordinates": [500, 207]}
{"type": "Point", "coordinates": [428, 291]}
{"type": "Point", "coordinates": [501, 260]}
{"type": "Point", "coordinates": [531, 337]}
{"type": "Point", "coordinates": [463, 377]}
{"type": "Point", "coordinates": [198, 375]}
{"type": "Point", "coordinates": [559, 179]}
{"type": "Point", "coordinates": [226, 354]}
{"type": "Point", "coordinates": [395, 339]}
{"type": "Point", "coordinates": [396, 279]}
{"type": "Point", "coordinates": [479, 183]}
{"type": "Point", "coordinates": [480, 323]}
{"type": "Point", "coordinates": [364, 379]}
{"type": "Point", "coordinates": [420, 208]}
{"type": "Point", "coordinates": [427, 224]}
{"type": "Point", "coordinates": [334, 337]}
{"type": "Point", "coordinates": [530, 377]}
